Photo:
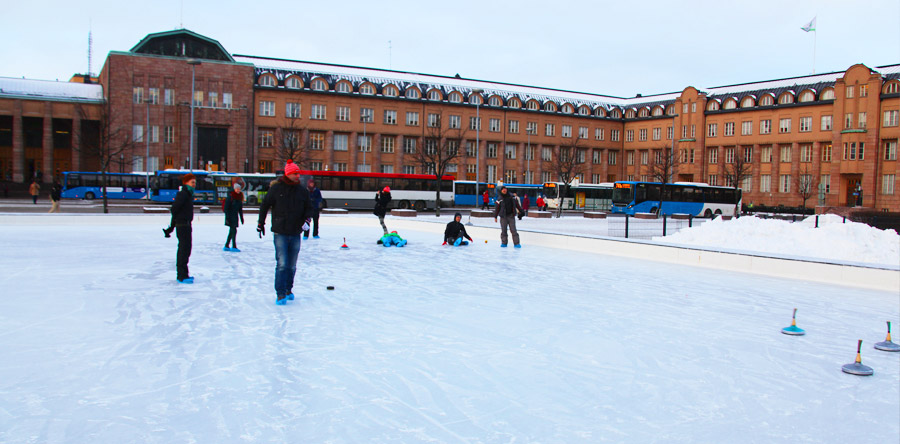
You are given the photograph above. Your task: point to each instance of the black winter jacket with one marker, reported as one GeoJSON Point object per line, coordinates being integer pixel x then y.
{"type": "Point", "coordinates": [183, 208]}
{"type": "Point", "coordinates": [507, 206]}
{"type": "Point", "coordinates": [234, 209]}
{"type": "Point", "coordinates": [381, 203]}
{"type": "Point", "coordinates": [454, 230]}
{"type": "Point", "coordinates": [290, 206]}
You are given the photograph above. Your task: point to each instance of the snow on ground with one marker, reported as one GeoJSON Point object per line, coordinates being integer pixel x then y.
{"type": "Point", "coordinates": [834, 239]}
{"type": "Point", "coordinates": [426, 343]}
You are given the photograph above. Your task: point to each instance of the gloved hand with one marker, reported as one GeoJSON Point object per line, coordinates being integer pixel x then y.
{"type": "Point", "coordinates": [305, 226]}
{"type": "Point", "coordinates": [261, 229]}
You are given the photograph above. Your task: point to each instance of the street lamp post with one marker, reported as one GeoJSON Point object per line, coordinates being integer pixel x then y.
{"type": "Point", "coordinates": [528, 158]}
{"type": "Point", "coordinates": [365, 118]}
{"type": "Point", "coordinates": [477, 142]}
{"type": "Point", "coordinates": [193, 63]}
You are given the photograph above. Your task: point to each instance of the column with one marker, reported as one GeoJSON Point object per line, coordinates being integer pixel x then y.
{"type": "Point", "coordinates": [47, 144]}
{"type": "Point", "coordinates": [76, 138]}
{"type": "Point", "coordinates": [18, 148]}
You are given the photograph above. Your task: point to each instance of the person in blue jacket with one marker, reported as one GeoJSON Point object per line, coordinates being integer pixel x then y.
{"type": "Point", "coordinates": [315, 196]}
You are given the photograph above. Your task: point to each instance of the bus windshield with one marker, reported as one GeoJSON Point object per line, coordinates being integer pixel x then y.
{"type": "Point", "coordinates": [551, 191]}
{"type": "Point", "coordinates": [622, 196]}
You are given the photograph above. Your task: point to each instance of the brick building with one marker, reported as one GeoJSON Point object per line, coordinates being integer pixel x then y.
{"type": "Point", "coordinates": [835, 134]}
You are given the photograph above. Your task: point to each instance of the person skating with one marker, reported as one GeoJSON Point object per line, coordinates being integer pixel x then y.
{"type": "Point", "coordinates": [456, 232]}
{"type": "Point", "coordinates": [55, 196]}
{"type": "Point", "coordinates": [35, 190]}
{"type": "Point", "coordinates": [291, 211]}
{"type": "Point", "coordinates": [506, 208]}
{"type": "Point", "coordinates": [485, 199]}
{"type": "Point", "coordinates": [182, 215]}
{"type": "Point", "coordinates": [382, 200]}
{"type": "Point", "coordinates": [234, 213]}
{"type": "Point", "coordinates": [315, 196]}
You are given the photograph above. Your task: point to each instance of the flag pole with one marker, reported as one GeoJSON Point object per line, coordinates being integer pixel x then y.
{"type": "Point", "coordinates": [815, 38]}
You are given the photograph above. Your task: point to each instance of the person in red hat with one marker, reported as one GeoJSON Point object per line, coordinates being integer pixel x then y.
{"type": "Point", "coordinates": [291, 211]}
{"type": "Point", "coordinates": [382, 200]}
{"type": "Point", "coordinates": [182, 215]}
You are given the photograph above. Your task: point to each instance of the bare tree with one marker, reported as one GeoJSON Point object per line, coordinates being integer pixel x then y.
{"type": "Point", "coordinates": [738, 170]}
{"type": "Point", "coordinates": [805, 185]}
{"type": "Point", "coordinates": [106, 140]}
{"type": "Point", "coordinates": [568, 163]}
{"type": "Point", "coordinates": [290, 143]}
{"type": "Point", "coordinates": [440, 149]}
{"type": "Point", "coordinates": [663, 170]}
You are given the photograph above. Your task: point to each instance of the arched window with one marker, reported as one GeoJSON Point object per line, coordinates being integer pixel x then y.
{"type": "Point", "coordinates": [599, 112]}
{"type": "Point", "coordinates": [615, 114]}
{"type": "Point", "coordinates": [267, 80]}
{"type": "Point", "coordinates": [748, 102]}
{"type": "Point", "coordinates": [319, 85]}
{"type": "Point", "coordinates": [413, 93]}
{"type": "Point", "coordinates": [455, 97]}
{"type": "Point", "coordinates": [658, 111]}
{"type": "Point", "coordinates": [670, 111]}
{"type": "Point", "coordinates": [435, 95]}
{"type": "Point", "coordinates": [389, 91]}
{"type": "Point", "coordinates": [892, 88]}
{"type": "Point", "coordinates": [786, 98]}
{"type": "Point", "coordinates": [806, 96]}
{"type": "Point", "coordinates": [568, 109]}
{"type": "Point", "coordinates": [533, 105]}
{"type": "Point", "coordinates": [495, 101]}
{"type": "Point", "coordinates": [767, 100]}
{"type": "Point", "coordinates": [550, 106]}
{"type": "Point", "coordinates": [475, 99]}
{"type": "Point", "coordinates": [293, 82]}
{"type": "Point", "coordinates": [344, 86]}
{"type": "Point", "coordinates": [713, 105]}
{"type": "Point", "coordinates": [730, 104]}
{"type": "Point", "coordinates": [630, 114]}
{"type": "Point", "coordinates": [828, 94]}
{"type": "Point", "coordinates": [644, 112]}
{"type": "Point", "coordinates": [514, 103]}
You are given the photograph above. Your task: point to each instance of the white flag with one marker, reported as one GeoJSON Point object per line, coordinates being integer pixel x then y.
{"type": "Point", "coordinates": [811, 26]}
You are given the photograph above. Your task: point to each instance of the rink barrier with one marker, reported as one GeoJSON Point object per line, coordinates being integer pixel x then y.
{"type": "Point", "coordinates": [884, 278]}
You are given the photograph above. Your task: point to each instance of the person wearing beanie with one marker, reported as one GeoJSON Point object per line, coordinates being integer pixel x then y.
{"type": "Point", "coordinates": [291, 212]}
{"type": "Point", "coordinates": [382, 201]}
{"type": "Point", "coordinates": [455, 232]}
{"type": "Point", "coordinates": [182, 215]}
{"type": "Point", "coordinates": [315, 195]}
{"type": "Point", "coordinates": [507, 207]}
{"type": "Point", "coordinates": [234, 211]}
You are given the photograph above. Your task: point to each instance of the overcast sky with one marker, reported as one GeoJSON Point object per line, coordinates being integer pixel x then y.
{"type": "Point", "coordinates": [618, 48]}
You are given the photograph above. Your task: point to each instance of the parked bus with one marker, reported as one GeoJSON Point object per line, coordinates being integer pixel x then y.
{"type": "Point", "coordinates": [580, 196]}
{"type": "Point", "coordinates": [89, 185]}
{"type": "Point", "coordinates": [697, 199]}
{"type": "Point", "coordinates": [464, 193]}
{"type": "Point", "coordinates": [339, 189]}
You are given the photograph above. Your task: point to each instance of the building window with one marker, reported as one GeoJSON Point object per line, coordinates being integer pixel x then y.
{"type": "Point", "coordinates": [412, 118]}
{"type": "Point", "coordinates": [492, 173]}
{"type": "Point", "coordinates": [713, 180]}
{"type": "Point", "coordinates": [629, 158]}
{"type": "Point", "coordinates": [364, 143]}
{"type": "Point", "coordinates": [729, 155]}
{"type": "Point", "coordinates": [455, 122]}
{"type": "Point", "coordinates": [315, 166]}
{"type": "Point", "coordinates": [807, 96]}
{"type": "Point", "coordinates": [550, 130]}
{"type": "Point", "coordinates": [319, 85]}
{"type": "Point", "coordinates": [409, 169]}
{"type": "Point", "coordinates": [510, 151]}
{"type": "Point", "coordinates": [825, 181]}
{"type": "Point", "coordinates": [267, 108]}
{"type": "Point", "coordinates": [494, 125]}
{"type": "Point", "coordinates": [317, 141]}
{"type": "Point", "coordinates": [154, 134]}
{"type": "Point", "coordinates": [611, 157]}
{"type": "Point", "coordinates": [805, 124]}
{"type": "Point", "coordinates": [614, 135]}
{"type": "Point", "coordinates": [390, 117]}
{"type": "Point", "coordinates": [169, 97]}
{"type": "Point", "coordinates": [409, 145]}
{"type": "Point", "coordinates": [747, 102]}
{"type": "Point", "coordinates": [531, 128]}
{"type": "Point", "coordinates": [413, 93]}
{"type": "Point", "coordinates": [713, 155]}
{"type": "Point", "coordinates": [657, 133]}
{"type": "Point", "coordinates": [495, 101]}
{"type": "Point", "coordinates": [890, 150]}
{"type": "Point", "coordinates": [513, 126]}
{"type": "Point", "coordinates": [765, 126]}
{"type": "Point", "coordinates": [765, 154]}
{"type": "Point", "coordinates": [693, 131]}
{"type": "Point", "coordinates": [747, 184]}
{"type": "Point", "coordinates": [712, 129]}
{"type": "Point", "coordinates": [265, 80]}
{"type": "Point", "coordinates": [475, 123]}
{"type": "Point", "coordinates": [169, 136]}
{"type": "Point", "coordinates": [455, 97]}
{"type": "Point", "coordinates": [343, 114]}
{"type": "Point", "coordinates": [861, 124]}
{"type": "Point", "coordinates": [786, 99]}
{"type": "Point", "coordinates": [342, 166]}
{"type": "Point", "coordinates": [137, 133]}
{"type": "Point", "coordinates": [848, 121]}
{"type": "Point", "coordinates": [826, 123]}
{"type": "Point", "coordinates": [470, 149]}
{"type": "Point", "coordinates": [887, 183]}
{"type": "Point", "coordinates": [318, 112]}
{"type": "Point", "coordinates": [629, 136]}
{"type": "Point", "coordinates": [729, 128]}
{"type": "Point", "coordinates": [767, 100]}
{"type": "Point", "coordinates": [154, 96]}
{"type": "Point", "coordinates": [529, 153]}
{"type": "Point", "coordinates": [784, 184]}
{"type": "Point", "coordinates": [806, 153]}
{"type": "Point", "coordinates": [747, 128]}
{"type": "Point", "coordinates": [198, 98]}
{"type": "Point", "coordinates": [784, 126]}
{"type": "Point", "coordinates": [567, 131]}
{"type": "Point", "coordinates": [363, 168]}
{"type": "Point", "coordinates": [546, 153]}
{"type": "Point", "coordinates": [214, 99]}
{"type": "Point", "coordinates": [850, 91]}
{"type": "Point", "coordinates": [369, 90]}
{"type": "Point", "coordinates": [367, 115]}
{"type": "Point", "coordinates": [292, 110]}
{"type": "Point", "coordinates": [492, 150]}
{"type": "Point", "coordinates": [890, 118]}
{"type": "Point", "coordinates": [596, 156]}
{"type": "Point", "coordinates": [387, 144]}
{"type": "Point", "coordinates": [826, 152]}
{"type": "Point", "coordinates": [598, 134]}
{"type": "Point", "coordinates": [748, 154]}
{"type": "Point", "coordinates": [227, 100]}
{"type": "Point", "coordinates": [343, 87]}
{"type": "Point", "coordinates": [266, 138]}
{"type": "Point", "coordinates": [786, 153]}
{"type": "Point", "coordinates": [137, 95]}
{"type": "Point", "coordinates": [892, 88]}
{"type": "Point", "coordinates": [292, 83]}
{"type": "Point", "coordinates": [341, 142]}
{"type": "Point", "coordinates": [765, 183]}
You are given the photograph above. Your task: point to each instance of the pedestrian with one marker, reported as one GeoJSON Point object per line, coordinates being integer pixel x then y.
{"type": "Point", "coordinates": [455, 232]}
{"type": "Point", "coordinates": [34, 190]}
{"type": "Point", "coordinates": [234, 212]}
{"type": "Point", "coordinates": [486, 199]}
{"type": "Point", "coordinates": [526, 204]}
{"type": "Point", "coordinates": [540, 203]}
{"type": "Point", "coordinates": [291, 212]}
{"type": "Point", "coordinates": [55, 196]}
{"type": "Point", "coordinates": [506, 208]}
{"type": "Point", "coordinates": [382, 200]}
{"type": "Point", "coordinates": [315, 196]}
{"type": "Point", "coordinates": [182, 215]}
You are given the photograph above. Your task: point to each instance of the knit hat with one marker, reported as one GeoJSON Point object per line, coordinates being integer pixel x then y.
{"type": "Point", "coordinates": [386, 189]}
{"type": "Point", "coordinates": [187, 178]}
{"type": "Point", "coordinates": [291, 168]}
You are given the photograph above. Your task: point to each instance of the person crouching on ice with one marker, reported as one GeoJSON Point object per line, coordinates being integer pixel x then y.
{"type": "Point", "coordinates": [291, 212]}
{"type": "Point", "coordinates": [455, 232]}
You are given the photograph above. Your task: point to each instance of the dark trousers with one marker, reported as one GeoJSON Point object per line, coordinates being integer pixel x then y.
{"type": "Point", "coordinates": [287, 248]}
{"type": "Point", "coordinates": [508, 222]}
{"type": "Point", "coordinates": [184, 250]}
{"type": "Point", "coordinates": [232, 237]}
{"type": "Point", "coordinates": [314, 224]}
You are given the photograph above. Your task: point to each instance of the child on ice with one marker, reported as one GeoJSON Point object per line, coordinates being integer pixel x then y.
{"type": "Point", "coordinates": [455, 232]}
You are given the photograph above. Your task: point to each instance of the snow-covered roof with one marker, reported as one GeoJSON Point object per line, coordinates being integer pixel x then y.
{"type": "Point", "coordinates": [50, 90]}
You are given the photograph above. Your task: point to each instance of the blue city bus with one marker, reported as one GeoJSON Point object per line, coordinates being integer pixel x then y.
{"type": "Point", "coordinates": [89, 185]}
{"type": "Point", "coordinates": [697, 199]}
{"type": "Point", "coordinates": [464, 193]}
{"type": "Point", "coordinates": [212, 186]}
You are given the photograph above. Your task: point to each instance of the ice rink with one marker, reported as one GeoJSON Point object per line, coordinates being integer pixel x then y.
{"type": "Point", "coordinates": [425, 343]}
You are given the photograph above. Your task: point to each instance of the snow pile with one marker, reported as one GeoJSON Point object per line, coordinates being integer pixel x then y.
{"type": "Point", "coordinates": [833, 240]}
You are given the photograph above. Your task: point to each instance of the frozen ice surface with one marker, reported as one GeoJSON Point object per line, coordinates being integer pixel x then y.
{"type": "Point", "coordinates": [424, 343]}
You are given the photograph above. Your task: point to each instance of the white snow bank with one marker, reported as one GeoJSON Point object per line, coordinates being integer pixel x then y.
{"type": "Point", "coordinates": [833, 240]}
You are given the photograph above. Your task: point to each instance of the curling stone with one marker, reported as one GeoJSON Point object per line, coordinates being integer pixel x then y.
{"type": "Point", "coordinates": [857, 368]}
{"type": "Point", "coordinates": [793, 330]}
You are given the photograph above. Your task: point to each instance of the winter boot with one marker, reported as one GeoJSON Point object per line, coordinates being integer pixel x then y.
{"type": "Point", "coordinates": [290, 296]}
{"type": "Point", "coordinates": [282, 301]}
